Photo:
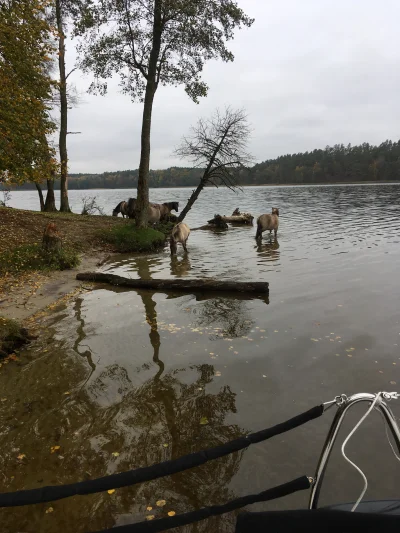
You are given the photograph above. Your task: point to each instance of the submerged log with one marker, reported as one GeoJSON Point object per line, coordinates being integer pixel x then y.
{"type": "Point", "coordinates": [187, 285]}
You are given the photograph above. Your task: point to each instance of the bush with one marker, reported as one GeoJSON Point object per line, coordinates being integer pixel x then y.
{"type": "Point", "coordinates": [33, 257]}
{"type": "Point", "coordinates": [128, 238]}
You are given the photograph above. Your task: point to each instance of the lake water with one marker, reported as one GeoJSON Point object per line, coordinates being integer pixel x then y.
{"type": "Point", "coordinates": [135, 372]}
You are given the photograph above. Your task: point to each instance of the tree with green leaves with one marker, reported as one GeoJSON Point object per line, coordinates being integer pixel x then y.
{"type": "Point", "coordinates": [25, 90]}
{"type": "Point", "coordinates": [153, 42]}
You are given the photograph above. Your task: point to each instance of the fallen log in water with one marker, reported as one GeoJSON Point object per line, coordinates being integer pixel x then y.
{"type": "Point", "coordinates": [187, 285]}
{"type": "Point", "coordinates": [244, 218]}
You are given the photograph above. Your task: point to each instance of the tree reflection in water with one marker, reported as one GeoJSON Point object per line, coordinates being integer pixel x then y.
{"type": "Point", "coordinates": [175, 412]}
{"type": "Point", "coordinates": [161, 420]}
{"type": "Point", "coordinates": [228, 313]}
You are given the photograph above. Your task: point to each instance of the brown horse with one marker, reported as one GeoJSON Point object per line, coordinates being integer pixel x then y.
{"type": "Point", "coordinates": [268, 222]}
{"type": "Point", "coordinates": [122, 208]}
{"type": "Point", "coordinates": [153, 212]}
{"type": "Point", "coordinates": [166, 208]}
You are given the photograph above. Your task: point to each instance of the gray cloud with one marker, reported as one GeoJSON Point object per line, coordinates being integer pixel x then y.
{"type": "Point", "coordinates": [308, 73]}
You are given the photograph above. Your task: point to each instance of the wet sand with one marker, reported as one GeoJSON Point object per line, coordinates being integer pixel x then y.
{"type": "Point", "coordinates": [28, 298]}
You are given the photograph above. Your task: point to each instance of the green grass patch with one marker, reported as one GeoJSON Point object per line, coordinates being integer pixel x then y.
{"type": "Point", "coordinates": [128, 238]}
{"type": "Point", "coordinates": [33, 257]}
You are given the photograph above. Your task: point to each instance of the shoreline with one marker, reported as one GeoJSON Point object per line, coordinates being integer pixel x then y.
{"type": "Point", "coordinates": [25, 302]}
{"type": "Point", "coordinates": [321, 184]}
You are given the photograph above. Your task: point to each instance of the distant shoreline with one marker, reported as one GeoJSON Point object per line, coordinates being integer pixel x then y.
{"type": "Point", "coordinates": [392, 182]}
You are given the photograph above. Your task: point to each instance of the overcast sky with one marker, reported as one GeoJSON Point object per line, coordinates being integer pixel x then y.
{"type": "Point", "coordinates": [309, 73]}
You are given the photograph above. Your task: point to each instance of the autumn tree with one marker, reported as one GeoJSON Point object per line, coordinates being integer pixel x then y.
{"type": "Point", "coordinates": [153, 42]}
{"type": "Point", "coordinates": [25, 90]}
{"type": "Point", "coordinates": [219, 146]}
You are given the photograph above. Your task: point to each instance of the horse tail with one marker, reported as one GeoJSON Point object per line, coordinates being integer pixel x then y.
{"type": "Point", "coordinates": [259, 230]}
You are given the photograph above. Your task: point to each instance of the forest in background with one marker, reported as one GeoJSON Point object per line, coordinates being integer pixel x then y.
{"type": "Point", "coordinates": [336, 164]}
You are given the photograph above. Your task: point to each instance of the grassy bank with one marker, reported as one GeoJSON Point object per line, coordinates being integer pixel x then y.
{"type": "Point", "coordinates": [21, 237]}
{"type": "Point", "coordinates": [127, 238]}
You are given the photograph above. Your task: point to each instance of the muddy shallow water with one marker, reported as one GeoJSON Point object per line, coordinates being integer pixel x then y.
{"type": "Point", "coordinates": [122, 379]}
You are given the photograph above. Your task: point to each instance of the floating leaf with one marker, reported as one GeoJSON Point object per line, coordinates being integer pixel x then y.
{"type": "Point", "coordinates": [49, 510]}
{"type": "Point", "coordinates": [171, 513]}
{"type": "Point", "coordinates": [161, 503]}
{"type": "Point", "coordinates": [149, 508]}
{"type": "Point", "coordinates": [314, 340]}
{"type": "Point", "coordinates": [54, 449]}
{"type": "Point", "coordinates": [150, 517]}
{"type": "Point", "coordinates": [111, 491]}
{"type": "Point", "coordinates": [264, 376]}
{"type": "Point", "coordinates": [203, 421]}
{"type": "Point", "coordinates": [392, 382]}
{"type": "Point", "coordinates": [217, 373]}
{"type": "Point", "coordinates": [165, 445]}
{"type": "Point", "coordinates": [21, 456]}
{"type": "Point", "coordinates": [115, 454]}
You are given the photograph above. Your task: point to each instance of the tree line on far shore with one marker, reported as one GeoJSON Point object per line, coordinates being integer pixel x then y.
{"type": "Point", "coordinates": [339, 163]}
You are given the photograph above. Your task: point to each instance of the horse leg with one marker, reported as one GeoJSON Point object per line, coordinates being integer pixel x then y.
{"type": "Point", "coordinates": [184, 246]}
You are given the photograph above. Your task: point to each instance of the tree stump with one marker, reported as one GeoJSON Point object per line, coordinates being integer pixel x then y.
{"type": "Point", "coordinates": [51, 241]}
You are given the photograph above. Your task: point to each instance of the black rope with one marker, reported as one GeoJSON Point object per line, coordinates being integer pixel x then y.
{"type": "Point", "coordinates": [124, 479]}
{"type": "Point", "coordinates": [164, 524]}
{"type": "Point", "coordinates": [316, 520]}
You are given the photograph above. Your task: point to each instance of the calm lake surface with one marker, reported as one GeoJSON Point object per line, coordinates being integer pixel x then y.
{"type": "Point", "coordinates": [133, 373]}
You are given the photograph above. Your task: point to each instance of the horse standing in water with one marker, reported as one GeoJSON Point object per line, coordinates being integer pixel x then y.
{"type": "Point", "coordinates": [122, 208]}
{"type": "Point", "coordinates": [268, 222]}
{"type": "Point", "coordinates": [180, 233]}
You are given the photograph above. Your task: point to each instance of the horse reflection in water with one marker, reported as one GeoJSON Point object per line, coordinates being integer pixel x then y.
{"type": "Point", "coordinates": [180, 266]}
{"type": "Point", "coordinates": [268, 250]}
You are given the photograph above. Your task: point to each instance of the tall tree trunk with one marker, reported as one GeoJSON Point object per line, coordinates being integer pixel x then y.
{"type": "Point", "coordinates": [40, 192]}
{"type": "Point", "coordinates": [64, 204]}
{"type": "Point", "coordinates": [151, 87]}
{"type": "Point", "coordinates": [50, 204]}
{"type": "Point", "coordinates": [192, 199]}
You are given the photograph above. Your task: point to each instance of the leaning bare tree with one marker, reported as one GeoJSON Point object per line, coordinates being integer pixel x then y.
{"type": "Point", "coordinates": [150, 43]}
{"type": "Point", "coordinates": [219, 146]}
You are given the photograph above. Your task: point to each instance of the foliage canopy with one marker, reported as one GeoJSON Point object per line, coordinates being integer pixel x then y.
{"type": "Point", "coordinates": [25, 91]}
{"type": "Point", "coordinates": [127, 36]}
